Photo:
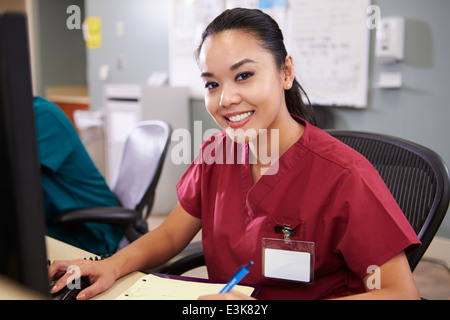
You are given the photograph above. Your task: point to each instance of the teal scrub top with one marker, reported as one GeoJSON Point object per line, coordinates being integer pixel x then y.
{"type": "Point", "coordinates": [70, 180]}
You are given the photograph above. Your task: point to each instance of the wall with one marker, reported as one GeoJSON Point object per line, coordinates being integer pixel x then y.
{"type": "Point", "coordinates": [419, 111]}
{"type": "Point", "coordinates": [62, 53]}
{"type": "Point", "coordinates": [143, 49]}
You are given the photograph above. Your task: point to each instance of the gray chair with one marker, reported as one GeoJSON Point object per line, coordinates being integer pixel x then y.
{"type": "Point", "coordinates": [134, 186]}
{"type": "Point", "coordinates": [416, 176]}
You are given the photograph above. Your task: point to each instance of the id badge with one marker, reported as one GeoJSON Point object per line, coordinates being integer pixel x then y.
{"type": "Point", "coordinates": [288, 260]}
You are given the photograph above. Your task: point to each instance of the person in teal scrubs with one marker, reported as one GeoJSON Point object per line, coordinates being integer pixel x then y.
{"type": "Point", "coordinates": [70, 180]}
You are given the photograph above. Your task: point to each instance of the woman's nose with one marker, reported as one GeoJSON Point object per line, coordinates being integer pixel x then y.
{"type": "Point", "coordinates": [229, 96]}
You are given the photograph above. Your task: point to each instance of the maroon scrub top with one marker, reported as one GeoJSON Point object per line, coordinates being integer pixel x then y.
{"type": "Point", "coordinates": [328, 192]}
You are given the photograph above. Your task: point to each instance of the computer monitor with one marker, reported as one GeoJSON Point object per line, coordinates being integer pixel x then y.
{"type": "Point", "coordinates": [22, 223]}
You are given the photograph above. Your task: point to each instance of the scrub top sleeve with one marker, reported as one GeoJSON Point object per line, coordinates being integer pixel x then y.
{"type": "Point", "coordinates": [189, 190]}
{"type": "Point", "coordinates": [52, 140]}
{"type": "Point", "coordinates": [376, 229]}
{"type": "Point", "coordinates": [190, 187]}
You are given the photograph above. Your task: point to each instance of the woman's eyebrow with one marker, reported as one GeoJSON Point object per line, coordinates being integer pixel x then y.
{"type": "Point", "coordinates": [241, 63]}
{"type": "Point", "coordinates": [232, 68]}
{"type": "Point", "coordinates": [207, 75]}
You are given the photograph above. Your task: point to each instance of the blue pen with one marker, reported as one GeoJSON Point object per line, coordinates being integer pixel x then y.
{"type": "Point", "coordinates": [238, 276]}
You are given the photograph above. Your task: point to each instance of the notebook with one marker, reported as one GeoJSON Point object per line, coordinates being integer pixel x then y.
{"type": "Point", "coordinates": [164, 287]}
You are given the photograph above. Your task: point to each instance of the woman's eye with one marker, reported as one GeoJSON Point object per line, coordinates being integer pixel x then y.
{"type": "Point", "coordinates": [244, 76]}
{"type": "Point", "coordinates": [211, 85]}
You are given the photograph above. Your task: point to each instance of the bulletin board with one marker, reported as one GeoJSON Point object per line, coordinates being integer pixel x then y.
{"type": "Point", "coordinates": [328, 39]}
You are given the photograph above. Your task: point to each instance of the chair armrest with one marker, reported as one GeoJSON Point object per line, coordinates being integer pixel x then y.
{"type": "Point", "coordinates": [190, 258]}
{"type": "Point", "coordinates": [111, 215]}
{"type": "Point", "coordinates": [187, 263]}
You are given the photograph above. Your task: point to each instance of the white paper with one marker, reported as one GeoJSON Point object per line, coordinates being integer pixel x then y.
{"type": "Point", "coordinates": [329, 41]}
{"type": "Point", "coordinates": [390, 80]}
{"type": "Point", "coordinates": [287, 265]}
{"type": "Point", "coordinates": [122, 122]}
{"type": "Point", "coordinates": [151, 287]}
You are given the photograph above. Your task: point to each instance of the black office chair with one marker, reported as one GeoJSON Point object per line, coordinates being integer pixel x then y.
{"type": "Point", "coordinates": [134, 186]}
{"type": "Point", "coordinates": [417, 177]}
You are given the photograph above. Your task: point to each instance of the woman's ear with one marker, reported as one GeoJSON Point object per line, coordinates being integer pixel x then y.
{"type": "Point", "coordinates": [288, 72]}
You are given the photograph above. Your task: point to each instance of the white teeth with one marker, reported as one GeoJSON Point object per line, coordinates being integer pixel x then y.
{"type": "Point", "coordinates": [240, 117]}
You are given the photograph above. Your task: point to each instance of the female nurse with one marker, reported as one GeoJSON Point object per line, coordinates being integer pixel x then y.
{"type": "Point", "coordinates": [272, 174]}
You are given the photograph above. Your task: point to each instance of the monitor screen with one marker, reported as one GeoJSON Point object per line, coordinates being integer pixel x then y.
{"type": "Point", "coordinates": [22, 223]}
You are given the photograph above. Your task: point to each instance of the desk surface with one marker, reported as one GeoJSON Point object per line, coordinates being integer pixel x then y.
{"type": "Point", "coordinates": [57, 250]}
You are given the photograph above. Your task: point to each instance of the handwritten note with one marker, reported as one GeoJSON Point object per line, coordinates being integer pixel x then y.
{"type": "Point", "coordinates": [151, 287]}
{"type": "Point", "coordinates": [329, 41]}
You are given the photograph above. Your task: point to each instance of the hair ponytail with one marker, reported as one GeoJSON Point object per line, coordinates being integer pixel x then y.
{"type": "Point", "coordinates": [296, 105]}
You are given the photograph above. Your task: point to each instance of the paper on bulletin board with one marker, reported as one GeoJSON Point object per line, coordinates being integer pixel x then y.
{"type": "Point", "coordinates": [188, 19]}
{"type": "Point", "coordinates": [329, 41]}
{"type": "Point", "coordinates": [92, 28]}
{"type": "Point", "coordinates": [241, 3]}
{"type": "Point", "coordinates": [275, 8]}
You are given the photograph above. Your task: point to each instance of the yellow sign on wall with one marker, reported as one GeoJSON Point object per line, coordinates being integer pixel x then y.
{"type": "Point", "coordinates": [93, 32]}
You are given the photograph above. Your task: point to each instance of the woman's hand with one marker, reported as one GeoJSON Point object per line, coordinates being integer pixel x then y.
{"type": "Point", "coordinates": [102, 275]}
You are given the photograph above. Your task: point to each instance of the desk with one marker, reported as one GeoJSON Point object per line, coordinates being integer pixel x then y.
{"type": "Point", "coordinates": [69, 99]}
{"type": "Point", "coordinates": [57, 250]}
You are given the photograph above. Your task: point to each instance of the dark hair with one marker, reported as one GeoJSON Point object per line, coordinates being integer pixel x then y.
{"type": "Point", "coordinates": [269, 34]}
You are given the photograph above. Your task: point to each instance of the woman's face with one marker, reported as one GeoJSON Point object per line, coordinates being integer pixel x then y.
{"type": "Point", "coordinates": [244, 87]}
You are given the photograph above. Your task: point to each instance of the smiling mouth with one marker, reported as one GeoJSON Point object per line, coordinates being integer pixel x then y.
{"type": "Point", "coordinates": [240, 117]}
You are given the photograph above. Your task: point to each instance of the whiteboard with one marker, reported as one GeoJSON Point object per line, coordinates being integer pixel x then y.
{"type": "Point", "coordinates": [328, 39]}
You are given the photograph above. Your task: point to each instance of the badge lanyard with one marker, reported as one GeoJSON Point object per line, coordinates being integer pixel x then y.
{"type": "Point", "coordinates": [287, 259]}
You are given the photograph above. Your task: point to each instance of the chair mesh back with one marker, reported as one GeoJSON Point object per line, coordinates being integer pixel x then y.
{"type": "Point", "coordinates": [142, 155]}
{"type": "Point", "coordinates": [417, 177]}
{"type": "Point", "coordinates": [408, 176]}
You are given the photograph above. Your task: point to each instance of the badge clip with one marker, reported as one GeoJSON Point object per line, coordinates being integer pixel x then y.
{"type": "Point", "coordinates": [286, 230]}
